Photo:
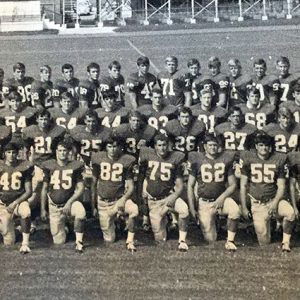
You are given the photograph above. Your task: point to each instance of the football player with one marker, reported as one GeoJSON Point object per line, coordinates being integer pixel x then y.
{"type": "Point", "coordinates": [20, 83]}
{"type": "Point", "coordinates": [213, 171]}
{"type": "Point", "coordinates": [41, 90]}
{"type": "Point", "coordinates": [88, 88]}
{"type": "Point", "coordinates": [263, 183]}
{"type": "Point", "coordinates": [158, 113]}
{"type": "Point", "coordinates": [186, 132]}
{"type": "Point", "coordinates": [114, 81]}
{"type": "Point", "coordinates": [294, 104]}
{"type": "Point", "coordinates": [257, 113]}
{"type": "Point", "coordinates": [68, 83]}
{"type": "Point", "coordinates": [238, 82]}
{"type": "Point", "coordinates": [111, 114]}
{"type": "Point", "coordinates": [162, 188]}
{"type": "Point", "coordinates": [67, 115]}
{"type": "Point", "coordinates": [173, 85]}
{"type": "Point", "coordinates": [113, 189]}
{"type": "Point", "coordinates": [15, 189]}
{"type": "Point", "coordinates": [286, 132]}
{"type": "Point", "coordinates": [141, 83]}
{"type": "Point", "coordinates": [62, 189]}
{"type": "Point", "coordinates": [206, 112]}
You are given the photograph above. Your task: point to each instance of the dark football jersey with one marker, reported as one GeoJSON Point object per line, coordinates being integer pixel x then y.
{"type": "Point", "coordinates": [61, 85]}
{"type": "Point", "coordinates": [238, 89]}
{"type": "Point", "coordinates": [88, 142]}
{"type": "Point", "coordinates": [259, 117]}
{"type": "Point", "coordinates": [158, 119]}
{"type": "Point", "coordinates": [62, 180]}
{"type": "Point", "coordinates": [236, 139]}
{"type": "Point", "coordinates": [41, 93]}
{"type": "Point", "coordinates": [186, 139]}
{"type": "Point", "coordinates": [294, 108]}
{"type": "Point", "coordinates": [132, 138]}
{"type": "Point", "coordinates": [43, 143]}
{"type": "Point", "coordinates": [67, 120]}
{"type": "Point", "coordinates": [142, 86]}
{"type": "Point", "coordinates": [12, 180]}
{"type": "Point", "coordinates": [285, 140]}
{"type": "Point", "coordinates": [173, 86]}
{"type": "Point", "coordinates": [203, 83]}
{"type": "Point", "coordinates": [113, 118]}
{"type": "Point", "coordinates": [111, 174]}
{"type": "Point", "coordinates": [211, 174]}
{"type": "Point", "coordinates": [22, 87]}
{"type": "Point", "coordinates": [294, 165]}
{"type": "Point", "coordinates": [190, 85]}
{"type": "Point", "coordinates": [262, 174]}
{"type": "Point", "coordinates": [211, 118]}
{"type": "Point", "coordinates": [115, 84]}
{"type": "Point", "coordinates": [283, 86]}
{"type": "Point", "coordinates": [89, 90]}
{"type": "Point", "coordinates": [18, 120]}
{"type": "Point", "coordinates": [161, 173]}
{"type": "Point", "coordinates": [5, 136]}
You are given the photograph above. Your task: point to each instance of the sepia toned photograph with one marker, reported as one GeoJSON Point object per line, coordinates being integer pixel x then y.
{"type": "Point", "coordinates": [150, 149]}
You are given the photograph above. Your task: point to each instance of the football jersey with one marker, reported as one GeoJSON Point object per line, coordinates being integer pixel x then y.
{"type": "Point", "coordinates": [158, 118]}
{"type": "Point", "coordinates": [211, 118]}
{"type": "Point", "coordinates": [161, 172]}
{"type": "Point", "coordinates": [259, 117]}
{"type": "Point", "coordinates": [186, 139]}
{"type": "Point", "coordinates": [5, 135]}
{"type": "Point", "coordinates": [203, 83]}
{"type": "Point", "coordinates": [142, 86]}
{"type": "Point", "coordinates": [17, 121]}
{"type": "Point", "coordinates": [61, 85]}
{"type": "Point", "coordinates": [294, 165]}
{"type": "Point", "coordinates": [89, 142]}
{"type": "Point", "coordinates": [67, 120]}
{"type": "Point", "coordinates": [43, 143]}
{"type": "Point", "coordinates": [41, 93]}
{"type": "Point", "coordinates": [115, 84]}
{"type": "Point", "coordinates": [238, 89]}
{"type": "Point", "coordinates": [211, 174]}
{"type": "Point", "coordinates": [294, 108]}
{"type": "Point", "coordinates": [23, 87]}
{"type": "Point", "coordinates": [236, 139]}
{"type": "Point", "coordinates": [262, 174]}
{"type": "Point", "coordinates": [133, 137]}
{"type": "Point", "coordinates": [112, 174]}
{"type": "Point", "coordinates": [285, 140]}
{"type": "Point", "coordinates": [89, 90]}
{"type": "Point", "coordinates": [12, 180]}
{"type": "Point", "coordinates": [191, 85]}
{"type": "Point", "coordinates": [173, 86]}
{"type": "Point", "coordinates": [62, 180]}
{"type": "Point", "coordinates": [113, 118]}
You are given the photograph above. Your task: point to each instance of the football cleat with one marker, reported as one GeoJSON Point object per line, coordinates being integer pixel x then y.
{"type": "Point", "coordinates": [79, 247]}
{"type": "Point", "coordinates": [131, 247]}
{"type": "Point", "coordinates": [182, 246]}
{"type": "Point", "coordinates": [25, 249]}
{"type": "Point", "coordinates": [230, 246]}
{"type": "Point", "coordinates": [285, 247]}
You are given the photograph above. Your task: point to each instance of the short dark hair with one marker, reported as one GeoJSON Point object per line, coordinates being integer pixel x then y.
{"type": "Point", "coordinates": [109, 94]}
{"type": "Point", "coordinates": [11, 146]}
{"type": "Point", "coordinates": [214, 61]}
{"type": "Point", "coordinates": [115, 64]}
{"type": "Point", "coordinates": [66, 143]}
{"type": "Point", "coordinates": [161, 137]}
{"type": "Point", "coordinates": [284, 60]}
{"type": "Point", "coordinates": [67, 67]}
{"type": "Point", "coordinates": [234, 108]}
{"type": "Point", "coordinates": [157, 90]}
{"type": "Point", "coordinates": [264, 138]}
{"type": "Point", "coordinates": [185, 110]}
{"type": "Point", "coordinates": [171, 58]}
{"type": "Point", "coordinates": [253, 90]}
{"type": "Point", "coordinates": [115, 138]}
{"type": "Point", "coordinates": [143, 60]}
{"type": "Point", "coordinates": [44, 113]}
{"type": "Point", "coordinates": [136, 114]}
{"type": "Point", "coordinates": [18, 66]}
{"type": "Point", "coordinates": [45, 67]}
{"type": "Point", "coordinates": [296, 87]}
{"type": "Point", "coordinates": [67, 95]}
{"type": "Point", "coordinates": [92, 114]}
{"type": "Point", "coordinates": [210, 137]}
{"type": "Point", "coordinates": [193, 61]}
{"type": "Point", "coordinates": [260, 61]}
{"type": "Point", "coordinates": [92, 65]}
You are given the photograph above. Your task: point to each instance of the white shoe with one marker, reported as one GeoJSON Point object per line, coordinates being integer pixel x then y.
{"type": "Point", "coordinates": [230, 246]}
{"type": "Point", "coordinates": [182, 246]}
{"type": "Point", "coordinates": [79, 247]}
{"type": "Point", "coordinates": [25, 249]}
{"type": "Point", "coordinates": [285, 247]}
{"type": "Point", "coordinates": [131, 247]}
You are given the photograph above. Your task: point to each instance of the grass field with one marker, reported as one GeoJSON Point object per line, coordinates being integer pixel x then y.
{"type": "Point", "coordinates": [154, 272]}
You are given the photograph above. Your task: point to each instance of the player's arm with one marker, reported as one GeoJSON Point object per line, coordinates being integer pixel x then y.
{"type": "Point", "coordinates": [243, 195]}
{"type": "Point", "coordinates": [44, 200]}
{"type": "Point", "coordinates": [79, 189]}
{"type": "Point", "coordinates": [129, 183]}
{"type": "Point", "coordinates": [23, 197]}
{"type": "Point", "coordinates": [191, 195]}
{"type": "Point", "coordinates": [178, 188]}
{"type": "Point", "coordinates": [231, 187]}
{"type": "Point", "coordinates": [279, 195]}
{"type": "Point", "coordinates": [293, 193]}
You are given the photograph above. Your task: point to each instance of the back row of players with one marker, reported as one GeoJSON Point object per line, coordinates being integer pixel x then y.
{"type": "Point", "coordinates": [57, 125]}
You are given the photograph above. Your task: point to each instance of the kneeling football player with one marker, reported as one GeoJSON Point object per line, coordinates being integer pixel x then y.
{"type": "Point", "coordinates": [214, 174]}
{"type": "Point", "coordinates": [113, 189]}
{"type": "Point", "coordinates": [62, 188]}
{"type": "Point", "coordinates": [15, 189]}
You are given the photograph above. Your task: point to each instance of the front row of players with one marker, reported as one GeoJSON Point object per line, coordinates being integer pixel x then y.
{"type": "Point", "coordinates": [211, 190]}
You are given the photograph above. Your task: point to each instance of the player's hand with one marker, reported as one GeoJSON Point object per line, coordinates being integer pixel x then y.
{"type": "Point", "coordinates": [11, 207]}
{"type": "Point", "coordinates": [44, 215]}
{"type": "Point", "coordinates": [246, 214]}
{"type": "Point", "coordinates": [273, 208]}
{"type": "Point", "coordinates": [67, 209]}
{"type": "Point", "coordinates": [219, 203]}
{"type": "Point", "coordinates": [121, 204]}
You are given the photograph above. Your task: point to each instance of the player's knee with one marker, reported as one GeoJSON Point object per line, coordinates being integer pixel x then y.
{"type": "Point", "coordinates": [59, 238]}
{"type": "Point", "coordinates": [133, 211]}
{"type": "Point", "coordinates": [24, 210]}
{"type": "Point", "coordinates": [234, 213]}
{"type": "Point", "coordinates": [109, 236]}
{"type": "Point", "coordinates": [78, 210]}
{"type": "Point", "coordinates": [182, 210]}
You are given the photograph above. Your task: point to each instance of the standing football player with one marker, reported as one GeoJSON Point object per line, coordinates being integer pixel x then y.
{"type": "Point", "coordinates": [140, 84]}
{"type": "Point", "coordinates": [113, 188]}
{"type": "Point", "coordinates": [213, 172]}
{"type": "Point", "coordinates": [294, 103]}
{"type": "Point", "coordinates": [62, 189]}
{"type": "Point", "coordinates": [263, 182]}
{"type": "Point", "coordinates": [162, 188]}
{"type": "Point", "coordinates": [15, 189]}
